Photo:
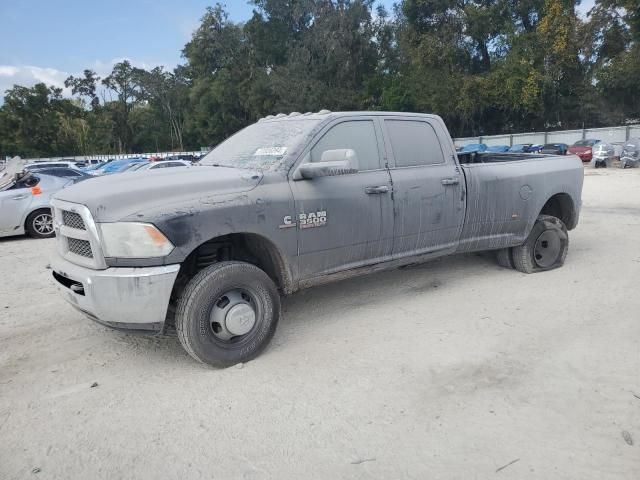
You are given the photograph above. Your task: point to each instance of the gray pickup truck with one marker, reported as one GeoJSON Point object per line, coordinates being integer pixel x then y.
{"type": "Point", "coordinates": [294, 201]}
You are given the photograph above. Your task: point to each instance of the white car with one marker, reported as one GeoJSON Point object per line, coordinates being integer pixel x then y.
{"type": "Point", "coordinates": [39, 165]}
{"type": "Point", "coordinates": [156, 165]}
{"type": "Point", "coordinates": [25, 202]}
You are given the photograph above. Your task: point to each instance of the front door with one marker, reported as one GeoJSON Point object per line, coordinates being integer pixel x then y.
{"type": "Point", "coordinates": [428, 188]}
{"type": "Point", "coordinates": [345, 221]}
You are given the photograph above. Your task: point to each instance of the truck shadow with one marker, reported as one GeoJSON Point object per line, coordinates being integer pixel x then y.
{"type": "Point", "coordinates": [306, 310]}
{"type": "Point", "coordinates": [333, 300]}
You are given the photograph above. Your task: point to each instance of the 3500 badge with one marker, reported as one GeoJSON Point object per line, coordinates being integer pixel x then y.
{"type": "Point", "coordinates": [306, 220]}
{"type": "Point", "coordinates": [313, 219]}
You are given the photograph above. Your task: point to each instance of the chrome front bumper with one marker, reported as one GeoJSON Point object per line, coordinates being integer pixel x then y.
{"type": "Point", "coordinates": [123, 298]}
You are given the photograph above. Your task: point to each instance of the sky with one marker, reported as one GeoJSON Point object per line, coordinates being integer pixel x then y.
{"type": "Point", "coordinates": [47, 40]}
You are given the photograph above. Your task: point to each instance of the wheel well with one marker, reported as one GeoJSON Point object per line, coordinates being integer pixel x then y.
{"type": "Point", "coordinates": [41, 209]}
{"type": "Point", "coordinates": [561, 206]}
{"type": "Point", "coordinates": [246, 247]}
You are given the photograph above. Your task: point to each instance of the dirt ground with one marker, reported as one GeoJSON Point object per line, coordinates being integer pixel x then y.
{"type": "Point", "coordinates": [450, 370]}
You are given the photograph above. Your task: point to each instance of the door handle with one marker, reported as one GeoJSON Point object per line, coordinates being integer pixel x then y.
{"type": "Point", "coordinates": [450, 181]}
{"type": "Point", "coordinates": [376, 190]}
{"type": "Point", "coordinates": [18, 197]}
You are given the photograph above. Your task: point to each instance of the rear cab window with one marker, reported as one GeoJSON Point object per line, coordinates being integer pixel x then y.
{"type": "Point", "coordinates": [414, 143]}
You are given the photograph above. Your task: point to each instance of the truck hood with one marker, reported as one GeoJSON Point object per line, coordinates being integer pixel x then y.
{"type": "Point", "coordinates": [113, 197]}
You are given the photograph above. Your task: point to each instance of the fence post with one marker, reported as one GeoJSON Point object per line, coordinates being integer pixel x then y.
{"type": "Point", "coordinates": [627, 134]}
{"type": "Point", "coordinates": [545, 137]}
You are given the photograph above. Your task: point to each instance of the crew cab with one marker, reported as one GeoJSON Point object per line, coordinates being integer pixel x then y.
{"type": "Point", "coordinates": [294, 201]}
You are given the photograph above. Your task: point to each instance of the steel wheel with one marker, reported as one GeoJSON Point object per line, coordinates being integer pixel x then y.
{"type": "Point", "coordinates": [547, 248]}
{"type": "Point", "coordinates": [43, 224]}
{"type": "Point", "coordinates": [233, 315]}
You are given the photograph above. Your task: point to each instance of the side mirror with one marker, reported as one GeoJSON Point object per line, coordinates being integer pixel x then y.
{"type": "Point", "coordinates": [332, 162]}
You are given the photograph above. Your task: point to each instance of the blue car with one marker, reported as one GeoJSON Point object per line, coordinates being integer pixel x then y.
{"type": "Point", "coordinates": [498, 148]}
{"type": "Point", "coordinates": [117, 166]}
{"type": "Point", "coordinates": [474, 147]}
{"type": "Point", "coordinates": [520, 148]}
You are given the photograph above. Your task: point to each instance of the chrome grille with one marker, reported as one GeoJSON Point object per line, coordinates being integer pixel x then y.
{"type": "Point", "coordinates": [80, 247]}
{"type": "Point", "coordinates": [73, 220]}
{"type": "Point", "coordinates": [77, 234]}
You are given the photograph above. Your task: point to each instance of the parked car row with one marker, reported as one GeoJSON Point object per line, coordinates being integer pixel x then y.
{"type": "Point", "coordinates": [598, 153]}
{"type": "Point", "coordinates": [70, 170]}
{"type": "Point", "coordinates": [518, 148]}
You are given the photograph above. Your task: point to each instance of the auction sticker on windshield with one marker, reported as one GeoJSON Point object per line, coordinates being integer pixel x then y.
{"type": "Point", "coordinates": [271, 151]}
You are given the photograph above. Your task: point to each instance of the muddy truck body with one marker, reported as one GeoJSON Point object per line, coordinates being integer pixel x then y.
{"type": "Point", "coordinates": [294, 201]}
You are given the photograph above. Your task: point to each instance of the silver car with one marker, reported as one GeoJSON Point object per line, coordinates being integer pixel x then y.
{"type": "Point", "coordinates": [25, 202]}
{"type": "Point", "coordinates": [604, 154]}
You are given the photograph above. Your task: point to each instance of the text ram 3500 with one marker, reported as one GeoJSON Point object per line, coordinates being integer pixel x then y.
{"type": "Point", "coordinates": [290, 202]}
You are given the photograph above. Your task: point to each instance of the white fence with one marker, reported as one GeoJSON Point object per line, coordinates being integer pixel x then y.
{"type": "Point", "coordinates": [112, 156]}
{"type": "Point", "coordinates": [612, 135]}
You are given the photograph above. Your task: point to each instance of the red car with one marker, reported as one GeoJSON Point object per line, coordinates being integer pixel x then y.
{"type": "Point", "coordinates": [583, 149]}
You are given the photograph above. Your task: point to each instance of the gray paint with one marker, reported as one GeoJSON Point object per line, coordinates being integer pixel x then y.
{"type": "Point", "coordinates": [479, 206]}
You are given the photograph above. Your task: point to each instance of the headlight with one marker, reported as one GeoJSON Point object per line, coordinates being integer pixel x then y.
{"type": "Point", "coordinates": [133, 240]}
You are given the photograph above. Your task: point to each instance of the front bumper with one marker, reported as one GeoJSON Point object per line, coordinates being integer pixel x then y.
{"type": "Point", "coordinates": [122, 298]}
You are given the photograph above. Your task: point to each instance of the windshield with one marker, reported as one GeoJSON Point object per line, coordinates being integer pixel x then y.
{"type": "Point", "coordinates": [262, 145]}
{"type": "Point", "coordinates": [585, 143]}
{"type": "Point", "coordinates": [116, 165]}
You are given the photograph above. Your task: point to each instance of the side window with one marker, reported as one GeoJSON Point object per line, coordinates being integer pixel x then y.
{"type": "Point", "coordinates": [414, 143]}
{"type": "Point", "coordinates": [357, 135]}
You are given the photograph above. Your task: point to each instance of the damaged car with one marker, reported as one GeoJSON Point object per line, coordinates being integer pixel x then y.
{"type": "Point", "coordinates": [603, 155]}
{"type": "Point", "coordinates": [630, 156]}
{"type": "Point", "coordinates": [25, 201]}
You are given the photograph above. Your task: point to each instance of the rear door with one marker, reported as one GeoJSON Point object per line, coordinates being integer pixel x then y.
{"type": "Point", "coordinates": [428, 187]}
{"type": "Point", "coordinates": [344, 221]}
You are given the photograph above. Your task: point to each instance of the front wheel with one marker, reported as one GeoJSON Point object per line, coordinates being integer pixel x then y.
{"type": "Point", "coordinates": [546, 246]}
{"type": "Point", "coordinates": [39, 224]}
{"type": "Point", "coordinates": [227, 314]}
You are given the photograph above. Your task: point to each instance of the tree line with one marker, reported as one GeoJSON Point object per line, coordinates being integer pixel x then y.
{"type": "Point", "coordinates": [485, 66]}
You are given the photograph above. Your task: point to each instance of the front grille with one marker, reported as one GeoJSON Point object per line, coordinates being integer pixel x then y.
{"type": "Point", "coordinates": [79, 247]}
{"type": "Point", "coordinates": [73, 220]}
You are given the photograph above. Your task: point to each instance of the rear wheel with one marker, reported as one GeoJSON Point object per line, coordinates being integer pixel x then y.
{"type": "Point", "coordinates": [39, 224]}
{"type": "Point", "coordinates": [546, 246]}
{"type": "Point", "coordinates": [227, 314]}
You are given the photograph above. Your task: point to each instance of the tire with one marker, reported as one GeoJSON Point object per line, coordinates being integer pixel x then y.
{"type": "Point", "coordinates": [546, 246]}
{"type": "Point", "coordinates": [505, 258]}
{"type": "Point", "coordinates": [213, 314]}
{"type": "Point", "coordinates": [39, 224]}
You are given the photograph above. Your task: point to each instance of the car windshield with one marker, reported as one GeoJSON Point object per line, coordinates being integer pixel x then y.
{"type": "Point", "coordinates": [262, 145]}
{"type": "Point", "coordinates": [585, 143]}
{"type": "Point", "coordinates": [116, 165]}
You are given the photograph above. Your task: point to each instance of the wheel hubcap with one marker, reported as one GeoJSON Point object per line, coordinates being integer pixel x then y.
{"type": "Point", "coordinates": [43, 224]}
{"type": "Point", "coordinates": [233, 315]}
{"type": "Point", "coordinates": [547, 249]}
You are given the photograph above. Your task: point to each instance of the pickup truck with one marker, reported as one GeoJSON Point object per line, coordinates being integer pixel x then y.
{"type": "Point", "coordinates": [294, 201]}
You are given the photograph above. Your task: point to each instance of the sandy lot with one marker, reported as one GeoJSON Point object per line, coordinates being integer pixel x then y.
{"type": "Point", "coordinates": [452, 369]}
